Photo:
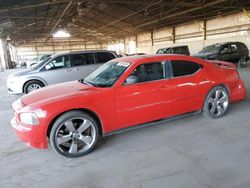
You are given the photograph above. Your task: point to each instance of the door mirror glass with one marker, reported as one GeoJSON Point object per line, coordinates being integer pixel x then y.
{"type": "Point", "coordinates": [48, 67]}
{"type": "Point", "coordinates": [131, 80]}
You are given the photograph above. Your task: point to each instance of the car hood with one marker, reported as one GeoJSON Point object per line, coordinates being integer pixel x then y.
{"type": "Point", "coordinates": [57, 92]}
{"type": "Point", "coordinates": [23, 72]}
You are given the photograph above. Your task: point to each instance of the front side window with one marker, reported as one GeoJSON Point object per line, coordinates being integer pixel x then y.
{"type": "Point", "coordinates": [148, 72]}
{"type": "Point", "coordinates": [184, 68]}
{"type": "Point", "coordinates": [58, 63]}
{"type": "Point", "coordinates": [224, 49]}
{"type": "Point", "coordinates": [103, 57]}
{"type": "Point", "coordinates": [82, 59]}
{"type": "Point", "coordinates": [107, 74]}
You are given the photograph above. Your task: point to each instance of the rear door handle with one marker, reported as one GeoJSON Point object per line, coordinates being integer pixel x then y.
{"type": "Point", "coordinates": [69, 70]}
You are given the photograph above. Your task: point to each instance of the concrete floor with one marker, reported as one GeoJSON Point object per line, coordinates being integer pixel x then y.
{"type": "Point", "coordinates": [193, 152]}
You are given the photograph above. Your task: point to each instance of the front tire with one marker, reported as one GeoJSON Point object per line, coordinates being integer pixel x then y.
{"type": "Point", "coordinates": [216, 103]}
{"type": "Point", "coordinates": [32, 86]}
{"type": "Point", "coordinates": [74, 134]}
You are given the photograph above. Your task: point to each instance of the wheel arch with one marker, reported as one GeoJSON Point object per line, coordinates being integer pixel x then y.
{"type": "Point", "coordinates": [33, 79]}
{"type": "Point", "coordinates": [88, 111]}
{"type": "Point", "coordinates": [218, 84]}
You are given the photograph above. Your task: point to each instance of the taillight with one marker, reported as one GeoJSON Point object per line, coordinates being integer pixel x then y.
{"type": "Point", "coordinates": [238, 73]}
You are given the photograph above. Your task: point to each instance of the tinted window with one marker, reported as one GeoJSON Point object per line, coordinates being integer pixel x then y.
{"type": "Point", "coordinates": [241, 46]}
{"type": "Point", "coordinates": [149, 72]}
{"type": "Point", "coordinates": [82, 59]}
{"type": "Point", "coordinates": [184, 50]}
{"type": "Point", "coordinates": [177, 50]}
{"type": "Point", "coordinates": [58, 62]}
{"type": "Point", "coordinates": [163, 51]}
{"type": "Point", "coordinates": [184, 68]}
{"type": "Point", "coordinates": [225, 48]}
{"type": "Point", "coordinates": [103, 57]}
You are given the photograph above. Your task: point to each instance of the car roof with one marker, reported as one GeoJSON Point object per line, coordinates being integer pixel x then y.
{"type": "Point", "coordinates": [223, 43]}
{"type": "Point", "coordinates": [174, 47]}
{"type": "Point", "coordinates": [154, 58]}
{"type": "Point", "coordinates": [77, 52]}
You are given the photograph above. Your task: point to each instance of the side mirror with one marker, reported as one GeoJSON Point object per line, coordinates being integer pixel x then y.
{"type": "Point", "coordinates": [131, 80]}
{"type": "Point", "coordinates": [48, 67]}
{"type": "Point", "coordinates": [223, 51]}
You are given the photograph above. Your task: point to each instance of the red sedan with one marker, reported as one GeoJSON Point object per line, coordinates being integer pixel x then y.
{"type": "Point", "coordinates": [121, 94]}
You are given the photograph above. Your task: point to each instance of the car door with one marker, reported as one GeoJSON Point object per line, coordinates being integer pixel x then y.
{"type": "Point", "coordinates": [83, 64]}
{"type": "Point", "coordinates": [224, 54]}
{"type": "Point", "coordinates": [186, 82]}
{"type": "Point", "coordinates": [146, 100]}
{"type": "Point", "coordinates": [234, 53]}
{"type": "Point", "coordinates": [57, 70]}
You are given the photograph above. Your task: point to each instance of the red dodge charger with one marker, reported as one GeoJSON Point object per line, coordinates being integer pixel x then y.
{"type": "Point", "coordinates": [122, 94]}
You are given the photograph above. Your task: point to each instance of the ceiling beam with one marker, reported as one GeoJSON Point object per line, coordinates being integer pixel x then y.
{"type": "Point", "coordinates": [60, 18]}
{"type": "Point", "coordinates": [181, 13]}
{"type": "Point", "coordinates": [9, 9]}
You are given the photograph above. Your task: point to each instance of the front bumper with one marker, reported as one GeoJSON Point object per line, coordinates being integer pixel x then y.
{"type": "Point", "coordinates": [15, 88]}
{"type": "Point", "coordinates": [30, 135]}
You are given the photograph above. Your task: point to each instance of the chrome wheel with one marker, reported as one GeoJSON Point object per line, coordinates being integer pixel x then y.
{"type": "Point", "coordinates": [75, 136]}
{"type": "Point", "coordinates": [33, 87]}
{"type": "Point", "coordinates": [217, 102]}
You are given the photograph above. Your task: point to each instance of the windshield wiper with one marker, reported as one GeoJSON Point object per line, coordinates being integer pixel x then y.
{"type": "Point", "coordinates": [85, 82]}
{"type": "Point", "coordinates": [92, 83]}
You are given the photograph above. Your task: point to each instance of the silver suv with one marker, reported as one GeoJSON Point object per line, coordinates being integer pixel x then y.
{"type": "Point", "coordinates": [58, 68]}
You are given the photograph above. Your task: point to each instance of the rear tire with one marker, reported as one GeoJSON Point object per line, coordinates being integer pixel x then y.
{"type": "Point", "coordinates": [32, 86]}
{"type": "Point", "coordinates": [74, 134]}
{"type": "Point", "coordinates": [216, 103]}
{"type": "Point", "coordinates": [242, 63]}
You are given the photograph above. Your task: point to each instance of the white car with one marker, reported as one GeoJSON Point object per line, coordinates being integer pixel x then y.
{"type": "Point", "coordinates": [57, 69]}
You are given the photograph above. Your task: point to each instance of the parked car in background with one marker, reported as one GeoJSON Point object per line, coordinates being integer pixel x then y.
{"type": "Point", "coordinates": [140, 53]}
{"type": "Point", "coordinates": [174, 50]}
{"type": "Point", "coordinates": [58, 68]}
{"type": "Point", "coordinates": [234, 52]}
{"type": "Point", "coordinates": [121, 94]}
{"type": "Point", "coordinates": [35, 61]}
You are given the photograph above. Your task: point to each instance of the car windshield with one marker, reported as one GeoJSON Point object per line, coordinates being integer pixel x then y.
{"type": "Point", "coordinates": [41, 63]}
{"type": "Point", "coordinates": [210, 49]}
{"type": "Point", "coordinates": [107, 74]}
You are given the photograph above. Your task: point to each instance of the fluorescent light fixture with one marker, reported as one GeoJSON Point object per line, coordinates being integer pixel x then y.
{"type": "Point", "coordinates": [61, 34]}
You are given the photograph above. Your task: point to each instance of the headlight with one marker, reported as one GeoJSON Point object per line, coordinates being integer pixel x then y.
{"type": "Point", "coordinates": [29, 118]}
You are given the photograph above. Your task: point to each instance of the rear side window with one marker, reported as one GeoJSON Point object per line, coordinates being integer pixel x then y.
{"type": "Point", "coordinates": [103, 57]}
{"type": "Point", "coordinates": [241, 46]}
{"type": "Point", "coordinates": [184, 50]}
{"type": "Point", "coordinates": [176, 50]}
{"type": "Point", "coordinates": [82, 59]}
{"type": "Point", "coordinates": [184, 68]}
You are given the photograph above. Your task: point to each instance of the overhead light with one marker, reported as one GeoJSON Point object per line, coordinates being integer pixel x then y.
{"type": "Point", "coordinates": [61, 34]}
